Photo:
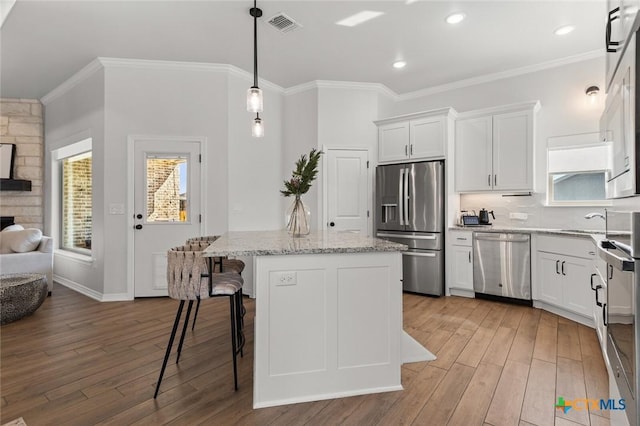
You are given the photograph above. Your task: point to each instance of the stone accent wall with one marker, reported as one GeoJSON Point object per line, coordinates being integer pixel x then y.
{"type": "Point", "coordinates": [76, 208]}
{"type": "Point", "coordinates": [21, 124]}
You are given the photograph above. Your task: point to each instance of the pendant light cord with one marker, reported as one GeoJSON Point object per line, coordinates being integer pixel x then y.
{"type": "Point", "coordinates": [255, 44]}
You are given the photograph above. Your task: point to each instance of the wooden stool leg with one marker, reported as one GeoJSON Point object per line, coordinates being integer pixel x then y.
{"type": "Point", "coordinates": [169, 346]}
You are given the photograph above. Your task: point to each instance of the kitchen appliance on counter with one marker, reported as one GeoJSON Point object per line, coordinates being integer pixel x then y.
{"type": "Point", "coordinates": [621, 250]}
{"type": "Point", "coordinates": [502, 266]}
{"type": "Point", "coordinates": [484, 217]}
{"type": "Point", "coordinates": [410, 210]}
{"type": "Point", "coordinates": [619, 127]}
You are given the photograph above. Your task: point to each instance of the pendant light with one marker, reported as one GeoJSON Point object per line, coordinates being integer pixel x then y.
{"type": "Point", "coordinates": [254, 94]}
{"type": "Point", "coordinates": [257, 130]}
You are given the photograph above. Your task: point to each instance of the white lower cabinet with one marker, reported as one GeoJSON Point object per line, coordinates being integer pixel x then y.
{"type": "Point", "coordinates": [460, 261]}
{"type": "Point", "coordinates": [599, 300]}
{"type": "Point", "coordinates": [563, 275]}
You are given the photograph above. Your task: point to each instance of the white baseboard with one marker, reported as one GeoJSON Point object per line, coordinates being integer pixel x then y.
{"type": "Point", "coordinates": [321, 397]}
{"type": "Point", "coordinates": [96, 295]}
{"type": "Point", "coordinates": [462, 292]}
{"type": "Point", "coordinates": [564, 313]}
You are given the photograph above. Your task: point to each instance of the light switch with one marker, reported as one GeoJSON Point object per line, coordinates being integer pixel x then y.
{"type": "Point", "coordinates": [116, 208]}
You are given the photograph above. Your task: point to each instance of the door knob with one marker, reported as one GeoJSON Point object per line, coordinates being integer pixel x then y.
{"type": "Point", "coordinates": [138, 216]}
{"type": "Point", "coordinates": [138, 226]}
{"type": "Point", "coordinates": [332, 224]}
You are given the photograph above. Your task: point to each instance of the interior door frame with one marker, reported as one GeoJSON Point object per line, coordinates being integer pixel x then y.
{"type": "Point", "coordinates": [131, 141]}
{"type": "Point", "coordinates": [325, 187]}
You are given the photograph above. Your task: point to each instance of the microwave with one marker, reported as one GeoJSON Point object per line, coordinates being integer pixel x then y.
{"type": "Point", "coordinates": [619, 127]}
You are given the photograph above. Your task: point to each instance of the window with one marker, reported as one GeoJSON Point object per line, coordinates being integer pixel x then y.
{"type": "Point", "coordinates": [75, 197]}
{"type": "Point", "coordinates": [167, 196]}
{"type": "Point", "coordinates": [576, 170]}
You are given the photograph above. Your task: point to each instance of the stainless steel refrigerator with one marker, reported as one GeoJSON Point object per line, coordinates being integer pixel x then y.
{"type": "Point", "coordinates": [410, 210]}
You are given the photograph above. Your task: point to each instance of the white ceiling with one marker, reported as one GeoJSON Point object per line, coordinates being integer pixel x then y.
{"type": "Point", "coordinates": [42, 43]}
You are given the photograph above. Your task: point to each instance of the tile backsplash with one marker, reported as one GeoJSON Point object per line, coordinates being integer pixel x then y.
{"type": "Point", "coordinates": [537, 214]}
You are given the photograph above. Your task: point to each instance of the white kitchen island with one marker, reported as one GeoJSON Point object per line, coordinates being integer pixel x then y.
{"type": "Point", "coordinates": [328, 318]}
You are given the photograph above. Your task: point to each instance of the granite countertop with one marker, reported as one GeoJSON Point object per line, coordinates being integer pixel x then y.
{"type": "Point", "coordinates": [261, 243]}
{"type": "Point", "coordinates": [550, 231]}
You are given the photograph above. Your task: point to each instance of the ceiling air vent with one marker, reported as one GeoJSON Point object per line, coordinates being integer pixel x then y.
{"type": "Point", "coordinates": [283, 23]}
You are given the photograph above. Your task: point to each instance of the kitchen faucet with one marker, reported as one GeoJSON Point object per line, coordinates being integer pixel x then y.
{"type": "Point", "coordinates": [594, 214]}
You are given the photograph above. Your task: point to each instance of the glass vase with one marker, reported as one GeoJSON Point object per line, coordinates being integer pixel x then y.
{"type": "Point", "coordinates": [298, 218]}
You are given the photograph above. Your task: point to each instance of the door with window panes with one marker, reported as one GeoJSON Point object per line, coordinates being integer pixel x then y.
{"type": "Point", "coordinates": [166, 207]}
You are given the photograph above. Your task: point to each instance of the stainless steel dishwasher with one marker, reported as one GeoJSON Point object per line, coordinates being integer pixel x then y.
{"type": "Point", "coordinates": [502, 266]}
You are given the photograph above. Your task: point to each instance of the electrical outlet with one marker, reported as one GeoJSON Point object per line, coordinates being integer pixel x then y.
{"type": "Point", "coordinates": [518, 216]}
{"type": "Point", "coordinates": [286, 278]}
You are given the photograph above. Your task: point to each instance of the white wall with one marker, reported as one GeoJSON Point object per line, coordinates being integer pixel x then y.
{"type": "Point", "coordinates": [345, 119]}
{"type": "Point", "coordinates": [254, 164]}
{"type": "Point", "coordinates": [70, 118]}
{"type": "Point", "coordinates": [243, 174]}
{"type": "Point", "coordinates": [300, 131]}
{"type": "Point", "coordinates": [565, 110]}
{"type": "Point", "coordinates": [161, 102]}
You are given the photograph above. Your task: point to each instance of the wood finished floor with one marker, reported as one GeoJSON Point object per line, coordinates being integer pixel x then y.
{"type": "Point", "coordinates": [80, 362]}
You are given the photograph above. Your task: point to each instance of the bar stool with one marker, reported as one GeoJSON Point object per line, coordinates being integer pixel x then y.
{"type": "Point", "coordinates": [217, 264]}
{"type": "Point", "coordinates": [189, 279]}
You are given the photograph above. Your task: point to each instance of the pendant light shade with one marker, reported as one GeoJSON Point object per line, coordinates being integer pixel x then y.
{"type": "Point", "coordinates": [257, 128]}
{"type": "Point", "coordinates": [254, 99]}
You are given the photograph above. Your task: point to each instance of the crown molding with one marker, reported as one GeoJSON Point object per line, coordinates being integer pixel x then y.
{"type": "Point", "coordinates": [502, 75]}
{"type": "Point", "coordinates": [102, 62]}
{"type": "Point", "coordinates": [77, 78]}
{"type": "Point", "coordinates": [344, 85]}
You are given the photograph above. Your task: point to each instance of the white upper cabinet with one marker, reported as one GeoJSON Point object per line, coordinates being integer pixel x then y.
{"type": "Point", "coordinates": [393, 140]}
{"type": "Point", "coordinates": [621, 16]}
{"type": "Point", "coordinates": [494, 149]}
{"type": "Point", "coordinates": [473, 154]}
{"type": "Point", "coordinates": [426, 137]}
{"type": "Point", "coordinates": [420, 136]}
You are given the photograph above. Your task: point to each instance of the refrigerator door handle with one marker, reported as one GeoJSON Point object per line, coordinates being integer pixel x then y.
{"type": "Point", "coordinates": [406, 196]}
{"type": "Point", "coordinates": [401, 196]}
{"type": "Point", "coordinates": [413, 253]}
{"type": "Point", "coordinates": [408, 237]}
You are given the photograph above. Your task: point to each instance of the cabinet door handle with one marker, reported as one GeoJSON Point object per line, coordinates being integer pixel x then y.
{"type": "Point", "coordinates": [495, 180]}
{"type": "Point", "coordinates": [469, 257]}
{"type": "Point", "coordinates": [557, 263]}
{"type": "Point", "coordinates": [610, 271]}
{"type": "Point", "coordinates": [406, 150]}
{"type": "Point", "coordinates": [604, 314]}
{"type": "Point", "coordinates": [562, 268]}
{"type": "Point", "coordinates": [489, 180]}
{"type": "Point", "coordinates": [598, 301]}
{"type": "Point", "coordinates": [607, 34]}
{"type": "Point", "coordinates": [411, 149]}
{"type": "Point", "coordinates": [592, 287]}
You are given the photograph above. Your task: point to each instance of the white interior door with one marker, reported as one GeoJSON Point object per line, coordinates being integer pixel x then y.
{"type": "Point", "coordinates": [347, 190]}
{"type": "Point", "coordinates": [167, 200]}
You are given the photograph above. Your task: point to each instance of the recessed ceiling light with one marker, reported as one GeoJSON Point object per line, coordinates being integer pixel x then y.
{"type": "Point", "coordinates": [359, 18]}
{"type": "Point", "coordinates": [564, 30]}
{"type": "Point", "coordinates": [455, 18]}
{"type": "Point", "coordinates": [399, 64]}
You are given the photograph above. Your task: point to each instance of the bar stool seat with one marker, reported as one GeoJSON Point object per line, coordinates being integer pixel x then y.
{"type": "Point", "coordinates": [226, 283]}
